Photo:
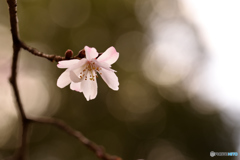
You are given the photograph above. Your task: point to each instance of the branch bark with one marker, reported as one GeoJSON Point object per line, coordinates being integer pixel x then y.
{"type": "Point", "coordinates": [98, 150]}
{"type": "Point", "coordinates": [25, 121]}
{"type": "Point", "coordinates": [20, 155]}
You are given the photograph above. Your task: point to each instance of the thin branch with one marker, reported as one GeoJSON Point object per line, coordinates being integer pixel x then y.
{"type": "Point", "coordinates": [35, 52]}
{"type": "Point", "coordinates": [20, 44]}
{"type": "Point", "coordinates": [12, 4]}
{"type": "Point", "coordinates": [52, 58]}
{"type": "Point", "coordinates": [99, 150]}
{"type": "Point", "coordinates": [17, 45]}
{"type": "Point", "coordinates": [20, 155]}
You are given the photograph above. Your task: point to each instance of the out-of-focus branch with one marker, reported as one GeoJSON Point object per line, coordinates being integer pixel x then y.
{"type": "Point", "coordinates": [98, 150]}
{"type": "Point", "coordinates": [17, 45]}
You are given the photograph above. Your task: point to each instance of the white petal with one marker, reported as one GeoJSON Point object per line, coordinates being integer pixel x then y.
{"type": "Point", "coordinates": [110, 78]}
{"type": "Point", "coordinates": [101, 64]}
{"type": "Point", "coordinates": [67, 63]}
{"type": "Point", "coordinates": [76, 86]}
{"type": "Point", "coordinates": [64, 79]}
{"type": "Point", "coordinates": [90, 53]}
{"type": "Point", "coordinates": [78, 65]}
{"type": "Point", "coordinates": [74, 78]}
{"type": "Point", "coordinates": [110, 56]}
{"type": "Point", "coordinates": [89, 88]}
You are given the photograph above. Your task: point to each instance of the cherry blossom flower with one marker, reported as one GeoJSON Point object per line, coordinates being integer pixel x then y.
{"type": "Point", "coordinates": [82, 73]}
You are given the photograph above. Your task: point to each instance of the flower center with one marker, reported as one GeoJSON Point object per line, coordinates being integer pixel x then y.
{"type": "Point", "coordinates": [91, 68]}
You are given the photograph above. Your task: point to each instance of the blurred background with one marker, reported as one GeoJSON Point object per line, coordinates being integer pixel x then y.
{"type": "Point", "coordinates": [178, 71]}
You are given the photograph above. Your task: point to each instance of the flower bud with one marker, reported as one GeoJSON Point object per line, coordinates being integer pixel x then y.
{"type": "Point", "coordinates": [68, 54]}
{"type": "Point", "coordinates": [81, 54]}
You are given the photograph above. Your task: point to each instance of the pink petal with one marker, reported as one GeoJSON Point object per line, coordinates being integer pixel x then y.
{"type": "Point", "coordinates": [90, 53]}
{"type": "Point", "coordinates": [110, 78]}
{"type": "Point", "coordinates": [76, 86]}
{"type": "Point", "coordinates": [89, 88]}
{"type": "Point", "coordinates": [63, 79]}
{"type": "Point", "coordinates": [67, 63]}
{"type": "Point", "coordinates": [110, 56]}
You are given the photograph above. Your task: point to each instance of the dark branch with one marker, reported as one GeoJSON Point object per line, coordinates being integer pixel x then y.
{"type": "Point", "coordinates": [15, 36]}
{"type": "Point", "coordinates": [12, 4]}
{"type": "Point", "coordinates": [13, 79]}
{"type": "Point", "coordinates": [17, 42]}
{"type": "Point", "coordinates": [99, 150]}
{"type": "Point", "coordinates": [41, 54]}
{"type": "Point", "coordinates": [52, 58]}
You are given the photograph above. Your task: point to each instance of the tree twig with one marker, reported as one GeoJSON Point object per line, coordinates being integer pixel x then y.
{"type": "Point", "coordinates": [20, 155]}
{"type": "Point", "coordinates": [15, 36]}
{"type": "Point", "coordinates": [35, 52]}
{"type": "Point", "coordinates": [99, 150]}
{"type": "Point", "coordinates": [52, 58]}
{"type": "Point", "coordinates": [20, 44]}
{"type": "Point", "coordinates": [17, 46]}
